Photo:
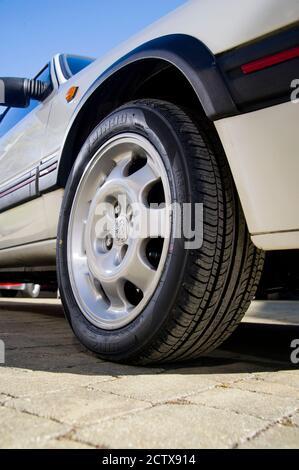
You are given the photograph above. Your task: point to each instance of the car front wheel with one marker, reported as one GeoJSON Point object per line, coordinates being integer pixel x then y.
{"type": "Point", "coordinates": [134, 288]}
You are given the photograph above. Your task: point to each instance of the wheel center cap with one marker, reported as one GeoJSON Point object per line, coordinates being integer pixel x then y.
{"type": "Point", "coordinates": [121, 230]}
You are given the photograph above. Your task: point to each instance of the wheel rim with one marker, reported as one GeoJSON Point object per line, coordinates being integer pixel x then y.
{"type": "Point", "coordinates": [119, 231]}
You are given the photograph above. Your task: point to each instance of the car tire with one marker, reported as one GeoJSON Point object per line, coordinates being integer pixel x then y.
{"type": "Point", "coordinates": [202, 293]}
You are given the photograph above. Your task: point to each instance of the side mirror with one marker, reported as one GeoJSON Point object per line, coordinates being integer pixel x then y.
{"type": "Point", "coordinates": [17, 92]}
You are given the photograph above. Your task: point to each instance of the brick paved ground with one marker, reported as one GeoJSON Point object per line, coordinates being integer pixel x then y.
{"type": "Point", "coordinates": [54, 394]}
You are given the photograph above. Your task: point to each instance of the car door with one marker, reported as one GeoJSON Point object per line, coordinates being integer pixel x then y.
{"type": "Point", "coordinates": [21, 147]}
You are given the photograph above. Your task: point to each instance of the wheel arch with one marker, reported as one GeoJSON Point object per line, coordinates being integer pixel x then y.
{"type": "Point", "coordinates": [177, 66]}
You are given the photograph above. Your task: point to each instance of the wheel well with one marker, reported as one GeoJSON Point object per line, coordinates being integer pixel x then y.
{"type": "Point", "coordinates": [148, 78]}
{"type": "Point", "coordinates": [280, 278]}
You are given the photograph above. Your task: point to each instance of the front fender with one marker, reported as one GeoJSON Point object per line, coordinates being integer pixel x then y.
{"type": "Point", "coordinates": [192, 58]}
{"type": "Point", "coordinates": [186, 53]}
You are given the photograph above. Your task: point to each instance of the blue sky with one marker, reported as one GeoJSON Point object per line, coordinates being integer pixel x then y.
{"type": "Point", "coordinates": [32, 31]}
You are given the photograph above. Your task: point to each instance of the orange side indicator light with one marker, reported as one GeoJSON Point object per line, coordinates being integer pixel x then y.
{"type": "Point", "coordinates": [71, 93]}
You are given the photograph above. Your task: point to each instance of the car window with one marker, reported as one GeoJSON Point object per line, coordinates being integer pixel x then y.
{"type": "Point", "coordinates": [12, 116]}
{"type": "Point", "coordinates": [72, 64]}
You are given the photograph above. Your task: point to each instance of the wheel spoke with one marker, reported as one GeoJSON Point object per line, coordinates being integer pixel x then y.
{"type": "Point", "coordinates": [141, 179]}
{"type": "Point", "coordinates": [138, 271]}
{"type": "Point", "coordinates": [114, 291]}
{"type": "Point", "coordinates": [82, 264]}
{"type": "Point", "coordinates": [120, 166]}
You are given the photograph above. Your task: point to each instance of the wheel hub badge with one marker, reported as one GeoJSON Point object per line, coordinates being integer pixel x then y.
{"type": "Point", "coordinates": [121, 230]}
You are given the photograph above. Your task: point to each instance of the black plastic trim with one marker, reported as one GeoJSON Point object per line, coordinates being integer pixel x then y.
{"type": "Point", "coordinates": [30, 185]}
{"type": "Point", "coordinates": [266, 87]}
{"type": "Point", "coordinates": [193, 59]}
{"type": "Point", "coordinates": [18, 191]}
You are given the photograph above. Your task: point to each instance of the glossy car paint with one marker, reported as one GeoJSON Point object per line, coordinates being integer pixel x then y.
{"type": "Point", "coordinates": [262, 150]}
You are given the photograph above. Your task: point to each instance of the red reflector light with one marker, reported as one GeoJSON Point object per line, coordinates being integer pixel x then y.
{"type": "Point", "coordinates": [265, 62]}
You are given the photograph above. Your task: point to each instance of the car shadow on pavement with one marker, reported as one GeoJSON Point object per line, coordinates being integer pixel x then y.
{"type": "Point", "coordinates": [32, 306]}
{"type": "Point", "coordinates": [38, 338]}
{"type": "Point", "coordinates": [270, 342]}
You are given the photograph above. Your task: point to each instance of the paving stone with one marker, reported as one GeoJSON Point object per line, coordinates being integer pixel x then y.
{"type": "Point", "coordinates": [247, 402]}
{"type": "Point", "coordinates": [123, 370]}
{"type": "Point", "coordinates": [108, 370]}
{"type": "Point", "coordinates": [79, 407]}
{"type": "Point", "coordinates": [64, 444]}
{"type": "Point", "coordinates": [286, 377]}
{"type": "Point", "coordinates": [46, 361]}
{"type": "Point", "coordinates": [157, 388]}
{"type": "Point", "coordinates": [295, 419]}
{"type": "Point", "coordinates": [264, 312]}
{"type": "Point", "coordinates": [19, 382]}
{"type": "Point", "coordinates": [20, 430]}
{"type": "Point", "coordinates": [227, 372]}
{"type": "Point", "coordinates": [173, 426]}
{"type": "Point", "coordinates": [71, 398]}
{"type": "Point", "coordinates": [276, 437]}
{"type": "Point", "coordinates": [19, 340]}
{"type": "Point", "coordinates": [269, 388]}
{"type": "Point", "coordinates": [4, 398]}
